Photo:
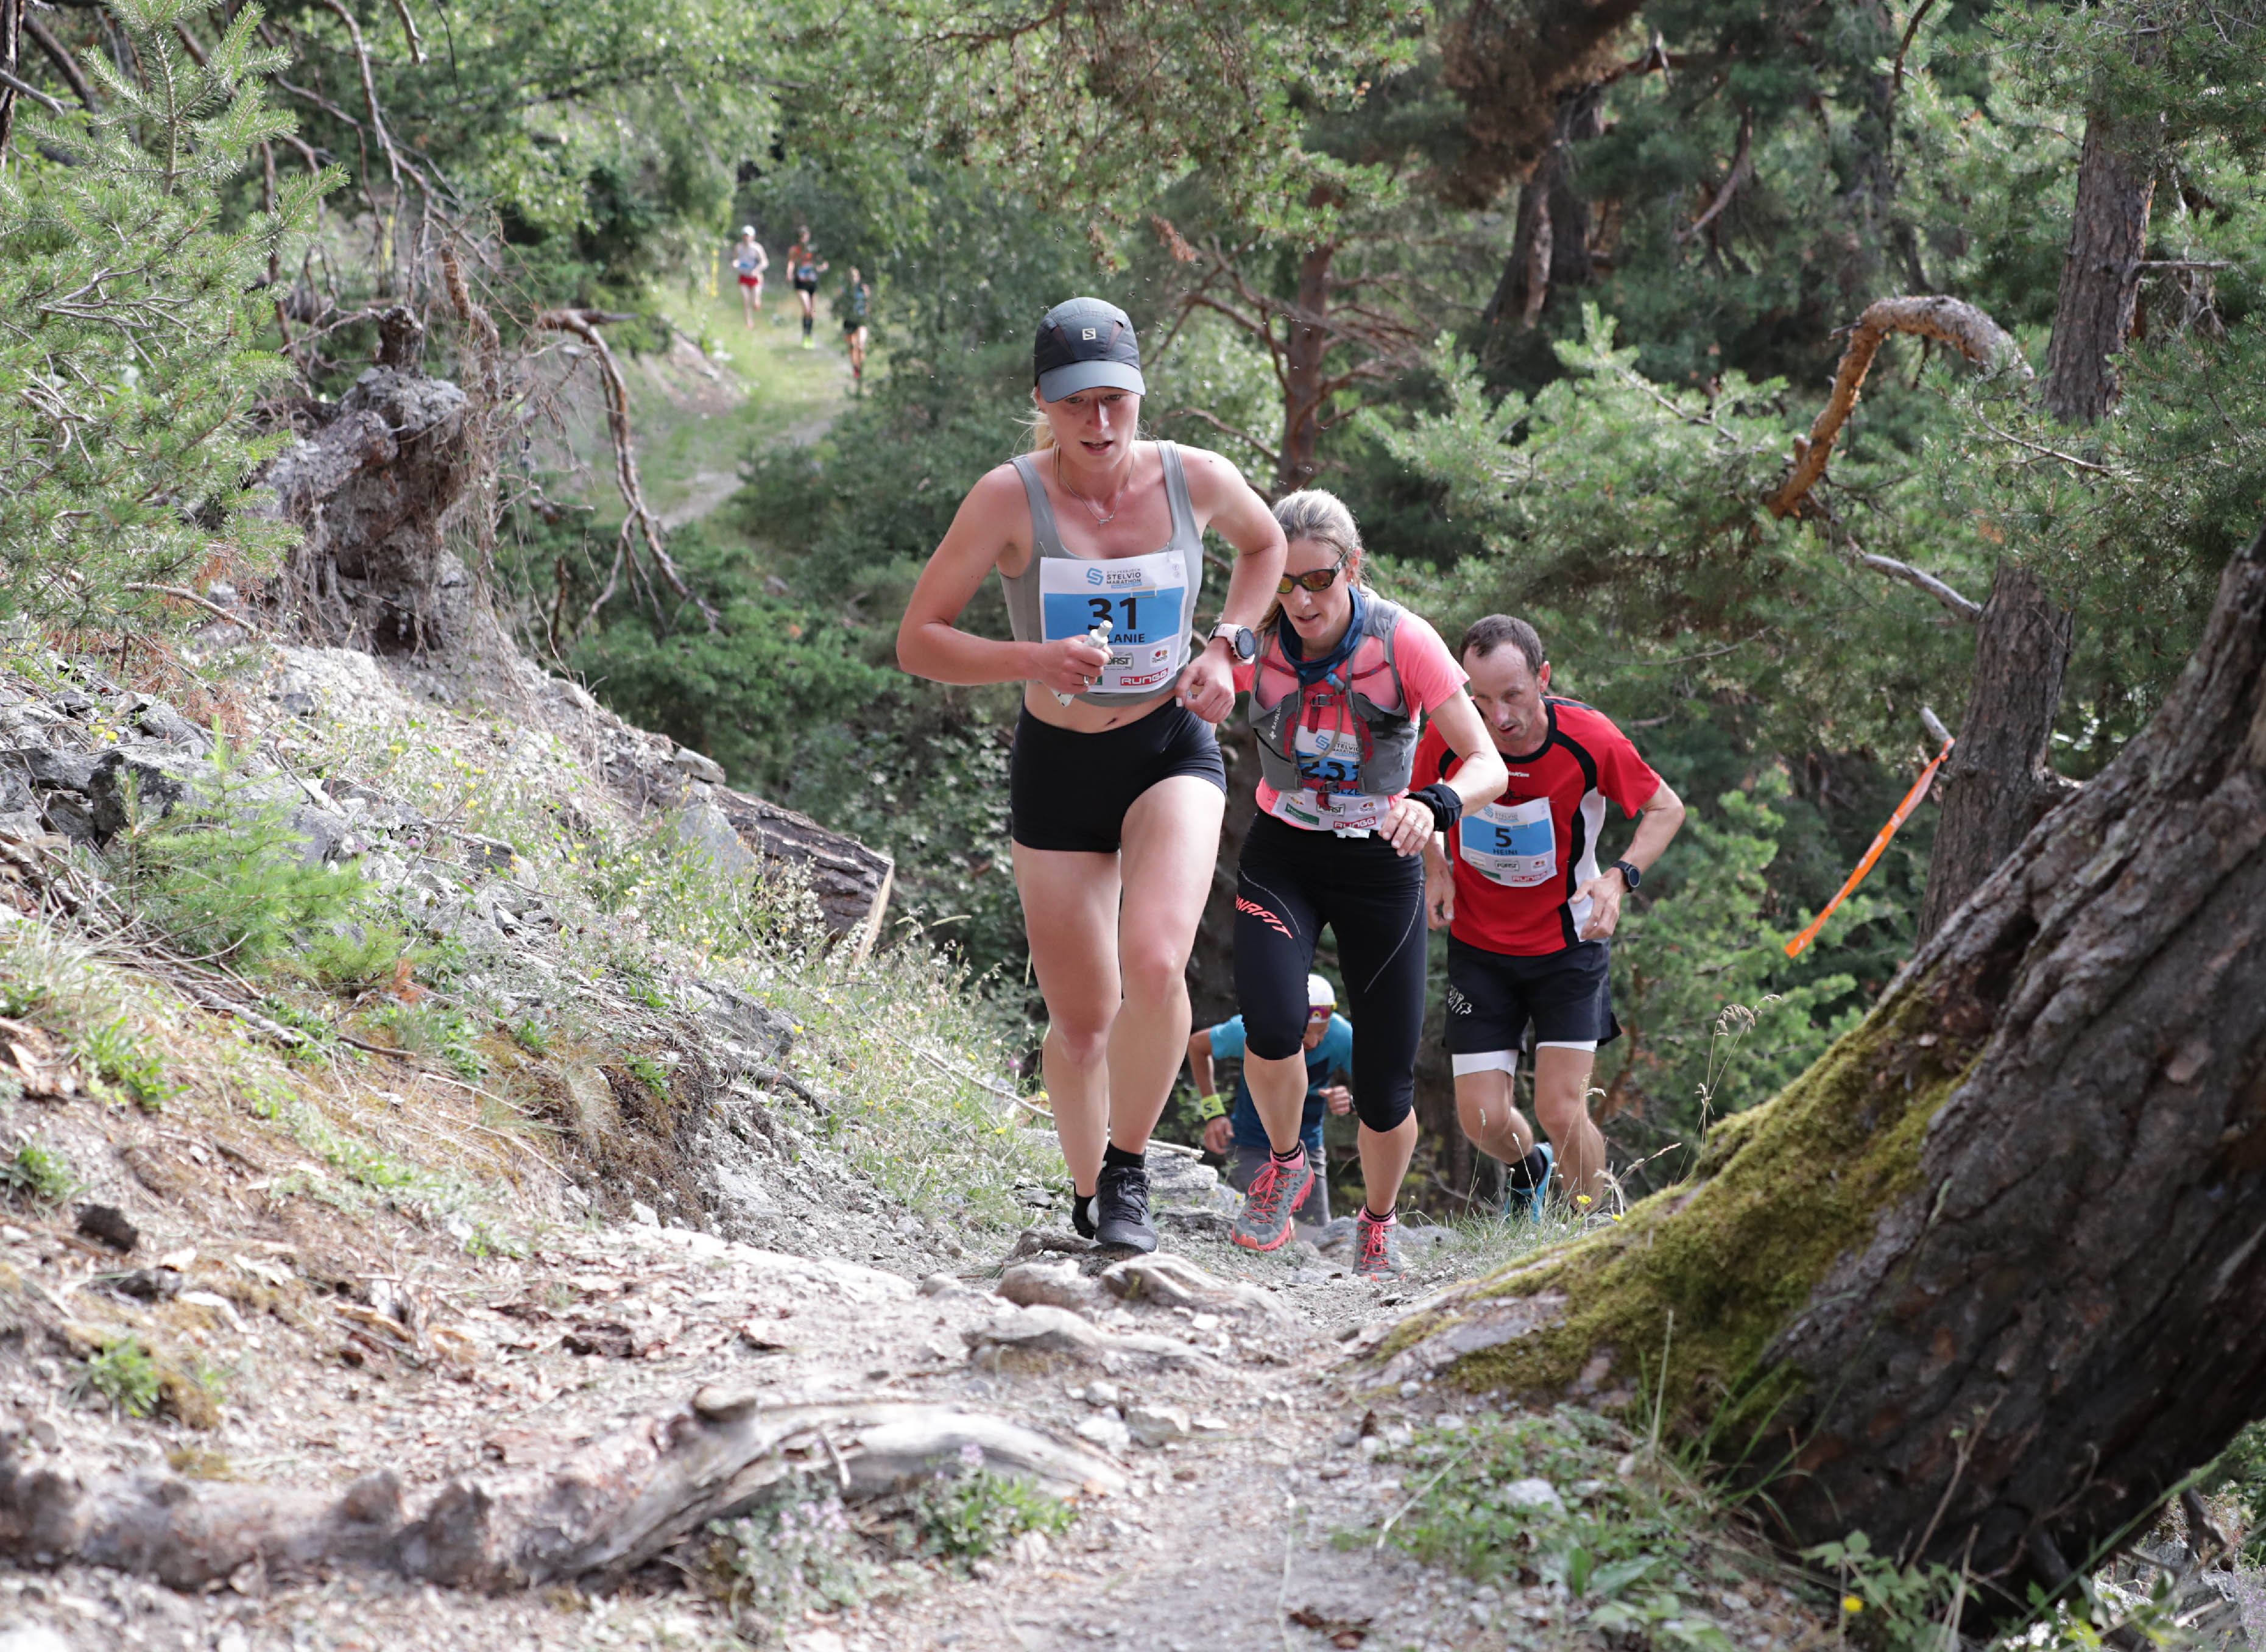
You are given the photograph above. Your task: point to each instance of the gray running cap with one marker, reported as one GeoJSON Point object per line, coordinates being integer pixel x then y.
{"type": "Point", "coordinates": [1085, 344]}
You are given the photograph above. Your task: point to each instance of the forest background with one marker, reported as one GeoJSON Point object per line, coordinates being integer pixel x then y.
{"type": "Point", "coordinates": [1550, 293]}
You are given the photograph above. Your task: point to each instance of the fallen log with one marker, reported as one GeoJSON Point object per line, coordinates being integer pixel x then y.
{"type": "Point", "coordinates": [601, 1509]}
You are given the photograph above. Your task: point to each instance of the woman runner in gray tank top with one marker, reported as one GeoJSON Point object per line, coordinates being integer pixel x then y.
{"type": "Point", "coordinates": [1117, 787]}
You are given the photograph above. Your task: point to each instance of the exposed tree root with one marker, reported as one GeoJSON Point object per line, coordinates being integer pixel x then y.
{"type": "Point", "coordinates": [604, 1508]}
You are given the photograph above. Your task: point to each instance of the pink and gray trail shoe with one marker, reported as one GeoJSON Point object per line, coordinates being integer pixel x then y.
{"type": "Point", "coordinates": [1377, 1247]}
{"type": "Point", "coordinates": [1264, 1223]}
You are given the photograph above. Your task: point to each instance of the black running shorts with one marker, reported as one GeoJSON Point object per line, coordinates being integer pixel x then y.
{"type": "Point", "coordinates": [1070, 791]}
{"type": "Point", "coordinates": [1492, 996]}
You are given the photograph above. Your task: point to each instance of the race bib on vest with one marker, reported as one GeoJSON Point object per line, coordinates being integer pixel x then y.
{"type": "Point", "coordinates": [1349, 812]}
{"type": "Point", "coordinates": [1515, 845]}
{"type": "Point", "coordinates": [1143, 602]}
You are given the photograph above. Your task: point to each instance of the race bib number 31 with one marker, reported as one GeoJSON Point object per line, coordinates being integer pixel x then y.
{"type": "Point", "coordinates": [1142, 601]}
{"type": "Point", "coordinates": [1515, 845]}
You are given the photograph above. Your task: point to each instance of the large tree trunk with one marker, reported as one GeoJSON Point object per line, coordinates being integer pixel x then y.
{"type": "Point", "coordinates": [1507, 60]}
{"type": "Point", "coordinates": [1303, 354]}
{"type": "Point", "coordinates": [2100, 271]}
{"type": "Point", "coordinates": [1550, 244]}
{"type": "Point", "coordinates": [1988, 1279]}
{"type": "Point", "coordinates": [2000, 781]}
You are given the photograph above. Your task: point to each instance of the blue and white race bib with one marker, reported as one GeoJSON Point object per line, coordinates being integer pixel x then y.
{"type": "Point", "coordinates": [1142, 600]}
{"type": "Point", "coordinates": [1515, 845]}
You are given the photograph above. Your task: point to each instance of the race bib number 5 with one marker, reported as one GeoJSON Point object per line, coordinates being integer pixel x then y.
{"type": "Point", "coordinates": [1142, 601]}
{"type": "Point", "coordinates": [1515, 845]}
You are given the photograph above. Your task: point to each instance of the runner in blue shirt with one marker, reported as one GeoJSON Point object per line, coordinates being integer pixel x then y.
{"type": "Point", "coordinates": [1238, 1135]}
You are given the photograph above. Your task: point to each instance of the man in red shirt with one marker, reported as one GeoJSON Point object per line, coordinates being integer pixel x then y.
{"type": "Point", "coordinates": [1529, 915]}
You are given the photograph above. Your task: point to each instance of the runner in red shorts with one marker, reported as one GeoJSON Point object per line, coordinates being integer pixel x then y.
{"type": "Point", "coordinates": [1529, 915]}
{"type": "Point", "coordinates": [750, 261]}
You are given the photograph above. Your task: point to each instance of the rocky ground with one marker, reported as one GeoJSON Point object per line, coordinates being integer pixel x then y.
{"type": "Point", "coordinates": [1237, 1443]}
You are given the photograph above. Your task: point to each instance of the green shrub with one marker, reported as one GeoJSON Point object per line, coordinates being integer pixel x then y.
{"type": "Point", "coordinates": [799, 1555]}
{"type": "Point", "coordinates": [227, 876]}
{"type": "Point", "coordinates": [435, 1030]}
{"type": "Point", "coordinates": [967, 1515]}
{"type": "Point", "coordinates": [1635, 1548]}
{"type": "Point", "coordinates": [39, 1174]}
{"type": "Point", "coordinates": [124, 1374]}
{"type": "Point", "coordinates": [125, 1065]}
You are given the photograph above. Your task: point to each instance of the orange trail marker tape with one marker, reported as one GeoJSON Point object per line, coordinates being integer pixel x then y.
{"type": "Point", "coordinates": [1880, 841]}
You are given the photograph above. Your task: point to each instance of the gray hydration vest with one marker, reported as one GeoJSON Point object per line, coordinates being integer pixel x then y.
{"type": "Point", "coordinates": [1382, 743]}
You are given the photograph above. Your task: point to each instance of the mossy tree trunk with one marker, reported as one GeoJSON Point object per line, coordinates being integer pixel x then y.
{"type": "Point", "coordinates": [1988, 1280]}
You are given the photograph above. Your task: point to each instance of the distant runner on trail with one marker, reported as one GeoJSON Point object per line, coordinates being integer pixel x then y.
{"type": "Point", "coordinates": [857, 299]}
{"type": "Point", "coordinates": [1116, 787]}
{"type": "Point", "coordinates": [1341, 686]}
{"type": "Point", "coordinates": [750, 261]}
{"type": "Point", "coordinates": [804, 267]}
{"type": "Point", "coordinates": [1529, 915]}
{"type": "Point", "coordinates": [1237, 1136]}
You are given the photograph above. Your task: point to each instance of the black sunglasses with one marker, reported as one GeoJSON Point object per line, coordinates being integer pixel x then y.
{"type": "Point", "coordinates": [1319, 581]}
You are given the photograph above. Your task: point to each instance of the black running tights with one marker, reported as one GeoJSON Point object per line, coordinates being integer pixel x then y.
{"type": "Point", "coordinates": [1289, 884]}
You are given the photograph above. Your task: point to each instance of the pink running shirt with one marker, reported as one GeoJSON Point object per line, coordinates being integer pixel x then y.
{"type": "Point", "coordinates": [1426, 669]}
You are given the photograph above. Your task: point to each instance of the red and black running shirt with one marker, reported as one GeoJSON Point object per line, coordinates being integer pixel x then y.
{"type": "Point", "coordinates": [1518, 860]}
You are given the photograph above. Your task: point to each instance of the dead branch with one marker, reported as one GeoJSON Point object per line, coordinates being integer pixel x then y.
{"type": "Point", "coordinates": [1742, 163]}
{"type": "Point", "coordinates": [65, 65]}
{"type": "Point", "coordinates": [24, 89]}
{"type": "Point", "coordinates": [1911, 30]}
{"type": "Point", "coordinates": [1227, 430]}
{"type": "Point", "coordinates": [417, 40]}
{"type": "Point", "coordinates": [582, 323]}
{"type": "Point", "coordinates": [187, 596]}
{"type": "Point", "coordinates": [393, 160]}
{"type": "Point", "coordinates": [1948, 320]}
{"type": "Point", "coordinates": [1965, 607]}
{"type": "Point", "coordinates": [601, 1511]}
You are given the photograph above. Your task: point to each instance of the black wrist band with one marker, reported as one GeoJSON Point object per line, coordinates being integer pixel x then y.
{"type": "Point", "coordinates": [1446, 802]}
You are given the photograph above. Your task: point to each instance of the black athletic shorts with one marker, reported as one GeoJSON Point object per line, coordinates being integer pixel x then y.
{"type": "Point", "coordinates": [806, 286]}
{"type": "Point", "coordinates": [1070, 791]}
{"type": "Point", "coordinates": [1492, 996]}
{"type": "Point", "coordinates": [853, 323]}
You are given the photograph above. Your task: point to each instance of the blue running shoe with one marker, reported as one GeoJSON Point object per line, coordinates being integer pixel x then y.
{"type": "Point", "coordinates": [1528, 1201]}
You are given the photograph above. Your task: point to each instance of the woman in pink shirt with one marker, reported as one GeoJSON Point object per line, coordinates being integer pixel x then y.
{"type": "Point", "coordinates": [1340, 682]}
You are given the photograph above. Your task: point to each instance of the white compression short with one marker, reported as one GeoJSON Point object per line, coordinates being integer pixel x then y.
{"type": "Point", "coordinates": [1507, 1060]}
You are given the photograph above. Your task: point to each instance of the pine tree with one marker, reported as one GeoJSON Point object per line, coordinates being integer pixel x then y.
{"type": "Point", "coordinates": [127, 306]}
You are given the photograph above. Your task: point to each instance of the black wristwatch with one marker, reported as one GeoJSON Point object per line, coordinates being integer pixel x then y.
{"type": "Point", "coordinates": [1242, 641]}
{"type": "Point", "coordinates": [1630, 875]}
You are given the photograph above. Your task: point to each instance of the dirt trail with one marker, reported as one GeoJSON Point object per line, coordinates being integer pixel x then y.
{"type": "Point", "coordinates": [1221, 1537]}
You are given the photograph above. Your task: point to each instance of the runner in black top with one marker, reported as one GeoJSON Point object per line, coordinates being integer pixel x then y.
{"type": "Point", "coordinates": [804, 267]}
{"type": "Point", "coordinates": [855, 299]}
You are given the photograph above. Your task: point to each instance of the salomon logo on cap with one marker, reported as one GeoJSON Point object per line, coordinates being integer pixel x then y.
{"type": "Point", "coordinates": [1085, 344]}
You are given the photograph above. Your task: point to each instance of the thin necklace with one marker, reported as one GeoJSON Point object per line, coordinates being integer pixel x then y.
{"type": "Point", "coordinates": [1093, 509]}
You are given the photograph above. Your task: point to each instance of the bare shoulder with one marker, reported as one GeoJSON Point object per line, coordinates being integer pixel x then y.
{"type": "Point", "coordinates": [994, 520]}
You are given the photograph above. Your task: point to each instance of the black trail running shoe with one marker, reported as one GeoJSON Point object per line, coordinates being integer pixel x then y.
{"type": "Point", "coordinates": [1120, 1208]}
